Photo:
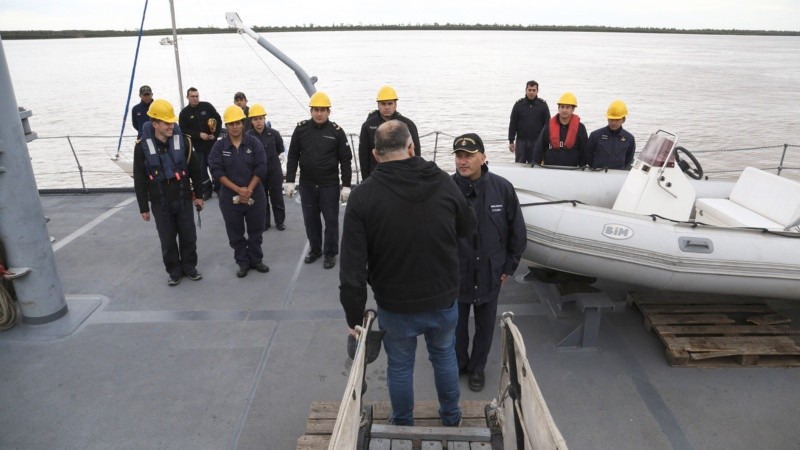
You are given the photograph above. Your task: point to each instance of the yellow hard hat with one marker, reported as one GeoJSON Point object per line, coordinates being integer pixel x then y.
{"type": "Point", "coordinates": [162, 110]}
{"type": "Point", "coordinates": [257, 110]}
{"type": "Point", "coordinates": [617, 110]}
{"type": "Point", "coordinates": [233, 113]}
{"type": "Point", "coordinates": [568, 98]}
{"type": "Point", "coordinates": [319, 100]}
{"type": "Point", "coordinates": [386, 94]}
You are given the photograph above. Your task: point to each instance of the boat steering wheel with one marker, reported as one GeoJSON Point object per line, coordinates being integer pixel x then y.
{"type": "Point", "coordinates": [695, 172]}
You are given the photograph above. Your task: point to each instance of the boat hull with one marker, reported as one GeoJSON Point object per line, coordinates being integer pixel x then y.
{"type": "Point", "coordinates": [647, 251]}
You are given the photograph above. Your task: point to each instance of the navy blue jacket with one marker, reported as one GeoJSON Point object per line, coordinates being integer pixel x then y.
{"type": "Point", "coordinates": [139, 117]}
{"type": "Point", "coordinates": [273, 146]}
{"type": "Point", "coordinates": [609, 149]}
{"type": "Point", "coordinates": [496, 244]}
{"type": "Point", "coordinates": [239, 165]}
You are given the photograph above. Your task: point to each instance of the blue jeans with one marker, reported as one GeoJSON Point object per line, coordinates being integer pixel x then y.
{"type": "Point", "coordinates": [400, 343]}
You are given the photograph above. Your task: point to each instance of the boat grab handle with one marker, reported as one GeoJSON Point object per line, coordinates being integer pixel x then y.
{"type": "Point", "coordinates": [695, 245]}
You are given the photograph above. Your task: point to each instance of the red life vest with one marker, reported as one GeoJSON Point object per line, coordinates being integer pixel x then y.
{"type": "Point", "coordinates": [572, 133]}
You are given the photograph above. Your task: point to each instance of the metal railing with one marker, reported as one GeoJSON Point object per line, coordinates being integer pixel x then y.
{"type": "Point", "coordinates": [94, 163]}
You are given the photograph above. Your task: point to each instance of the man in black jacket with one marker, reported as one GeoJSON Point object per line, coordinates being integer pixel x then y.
{"type": "Point", "coordinates": [488, 257]}
{"type": "Point", "coordinates": [528, 116]}
{"type": "Point", "coordinates": [163, 163]}
{"type": "Point", "coordinates": [201, 121]}
{"type": "Point", "coordinates": [320, 148]}
{"type": "Point", "coordinates": [401, 230]}
{"type": "Point", "coordinates": [387, 110]}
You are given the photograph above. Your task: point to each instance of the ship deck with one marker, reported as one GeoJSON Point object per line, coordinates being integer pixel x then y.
{"type": "Point", "coordinates": [236, 363]}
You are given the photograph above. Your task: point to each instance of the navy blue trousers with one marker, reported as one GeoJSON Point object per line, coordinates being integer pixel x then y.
{"type": "Point", "coordinates": [482, 341]}
{"type": "Point", "coordinates": [273, 186]}
{"type": "Point", "coordinates": [241, 219]}
{"type": "Point", "coordinates": [321, 200]}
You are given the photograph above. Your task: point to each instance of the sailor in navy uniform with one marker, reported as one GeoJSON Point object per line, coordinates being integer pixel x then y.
{"type": "Point", "coordinates": [320, 148]}
{"type": "Point", "coordinates": [238, 163]}
{"type": "Point", "coordinates": [273, 145]}
{"type": "Point", "coordinates": [612, 147]}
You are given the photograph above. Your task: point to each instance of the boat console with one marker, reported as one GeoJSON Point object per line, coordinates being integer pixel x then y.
{"type": "Point", "coordinates": [656, 184]}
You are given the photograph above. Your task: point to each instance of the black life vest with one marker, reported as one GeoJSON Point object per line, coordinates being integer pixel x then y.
{"type": "Point", "coordinates": [164, 166]}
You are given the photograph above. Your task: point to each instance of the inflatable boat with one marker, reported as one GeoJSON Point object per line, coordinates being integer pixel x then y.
{"type": "Point", "coordinates": [661, 225]}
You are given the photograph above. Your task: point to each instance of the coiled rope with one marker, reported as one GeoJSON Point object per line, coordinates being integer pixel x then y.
{"type": "Point", "coordinates": [8, 310]}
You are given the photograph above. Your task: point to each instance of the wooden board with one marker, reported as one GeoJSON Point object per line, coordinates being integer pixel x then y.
{"type": "Point", "coordinates": [719, 331]}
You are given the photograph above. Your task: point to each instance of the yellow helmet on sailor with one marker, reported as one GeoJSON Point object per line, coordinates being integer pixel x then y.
{"type": "Point", "coordinates": [568, 98]}
{"type": "Point", "coordinates": [233, 113]}
{"type": "Point", "coordinates": [257, 110]}
{"type": "Point", "coordinates": [161, 109]}
{"type": "Point", "coordinates": [319, 100]}
{"type": "Point", "coordinates": [617, 110]}
{"type": "Point", "coordinates": [386, 94]}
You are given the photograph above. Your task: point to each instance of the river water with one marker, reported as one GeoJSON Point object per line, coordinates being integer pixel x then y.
{"type": "Point", "coordinates": [714, 92]}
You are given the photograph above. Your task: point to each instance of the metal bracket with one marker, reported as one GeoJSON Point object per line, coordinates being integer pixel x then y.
{"type": "Point", "coordinates": [16, 272]}
{"type": "Point", "coordinates": [584, 336]}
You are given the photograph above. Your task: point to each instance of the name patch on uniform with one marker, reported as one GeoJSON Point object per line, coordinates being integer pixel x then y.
{"type": "Point", "coordinates": [330, 137]}
{"type": "Point", "coordinates": [496, 208]}
{"type": "Point", "coordinates": [604, 137]}
{"type": "Point", "coordinates": [226, 153]}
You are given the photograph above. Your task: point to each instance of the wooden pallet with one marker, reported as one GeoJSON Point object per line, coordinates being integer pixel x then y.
{"type": "Point", "coordinates": [719, 331]}
{"type": "Point", "coordinates": [322, 417]}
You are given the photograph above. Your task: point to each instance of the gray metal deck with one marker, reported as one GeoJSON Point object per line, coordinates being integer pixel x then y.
{"type": "Point", "coordinates": [235, 363]}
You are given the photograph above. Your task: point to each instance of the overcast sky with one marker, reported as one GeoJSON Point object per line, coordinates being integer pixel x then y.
{"type": "Point", "coordinates": [126, 14]}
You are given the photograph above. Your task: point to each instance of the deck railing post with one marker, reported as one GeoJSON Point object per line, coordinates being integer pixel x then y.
{"type": "Point", "coordinates": [783, 156]}
{"type": "Point", "coordinates": [435, 144]}
{"type": "Point", "coordinates": [78, 163]}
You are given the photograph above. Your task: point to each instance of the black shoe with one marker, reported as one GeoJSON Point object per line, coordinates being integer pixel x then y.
{"type": "Point", "coordinates": [242, 272]}
{"type": "Point", "coordinates": [174, 280]}
{"type": "Point", "coordinates": [476, 381]}
{"type": "Point", "coordinates": [280, 226]}
{"type": "Point", "coordinates": [311, 257]}
{"type": "Point", "coordinates": [261, 267]}
{"type": "Point", "coordinates": [194, 275]}
{"type": "Point", "coordinates": [330, 261]}
{"type": "Point", "coordinates": [462, 371]}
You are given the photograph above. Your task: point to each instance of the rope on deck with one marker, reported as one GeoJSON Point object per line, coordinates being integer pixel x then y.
{"type": "Point", "coordinates": [8, 310]}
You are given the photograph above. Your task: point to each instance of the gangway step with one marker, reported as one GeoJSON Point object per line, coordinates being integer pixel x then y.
{"type": "Point", "coordinates": [427, 432]}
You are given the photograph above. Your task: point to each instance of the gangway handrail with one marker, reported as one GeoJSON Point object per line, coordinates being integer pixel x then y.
{"type": "Point", "coordinates": [348, 420]}
{"type": "Point", "coordinates": [520, 399]}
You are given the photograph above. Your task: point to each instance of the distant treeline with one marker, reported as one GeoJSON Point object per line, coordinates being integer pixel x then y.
{"type": "Point", "coordinates": [65, 34]}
